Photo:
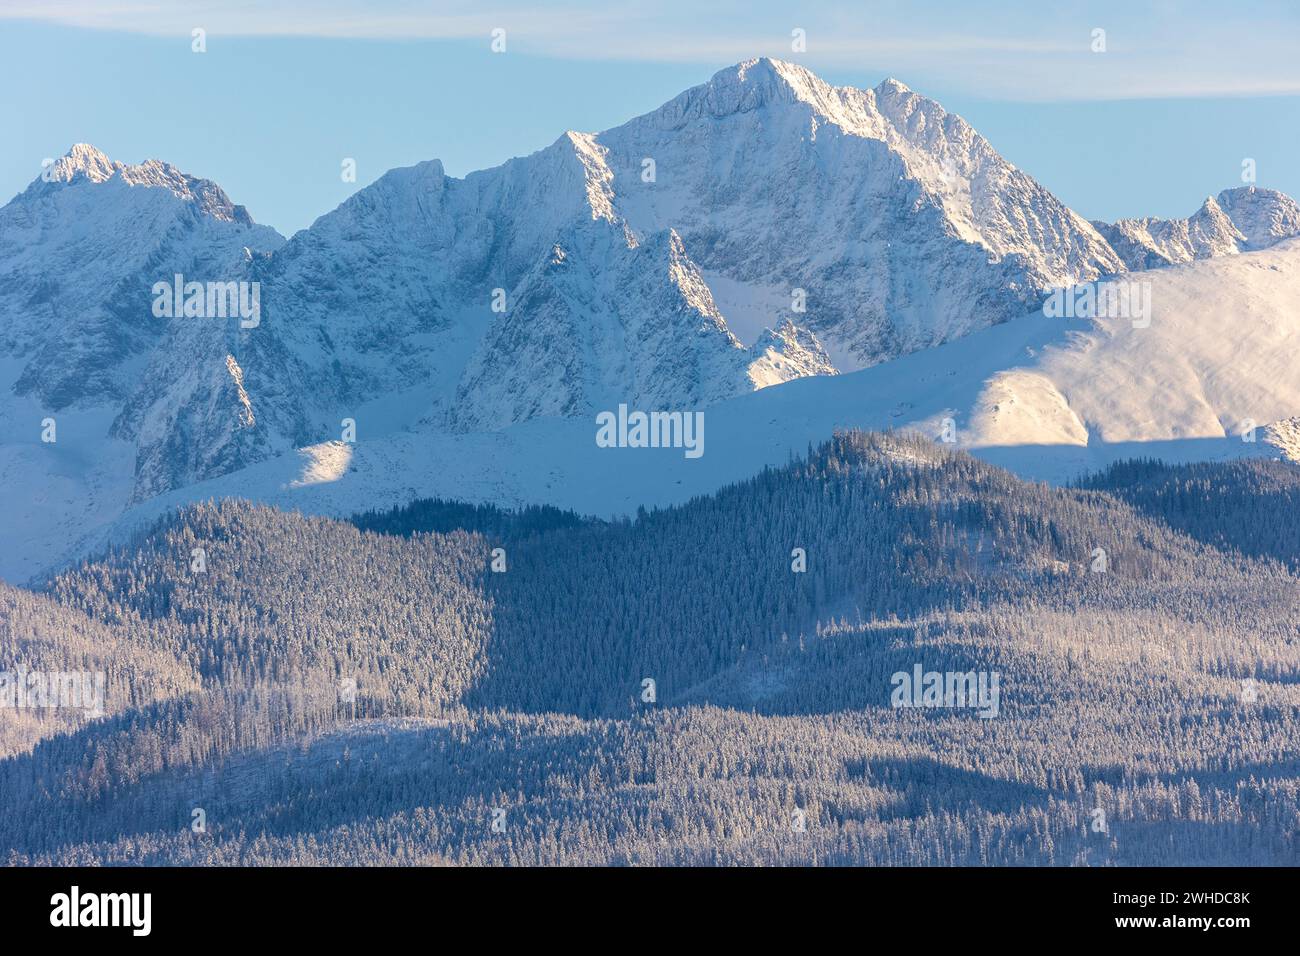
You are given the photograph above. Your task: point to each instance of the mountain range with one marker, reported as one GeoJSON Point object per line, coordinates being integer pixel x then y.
{"type": "Point", "coordinates": [761, 228]}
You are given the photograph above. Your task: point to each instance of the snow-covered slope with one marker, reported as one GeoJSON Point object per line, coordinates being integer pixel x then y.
{"type": "Point", "coordinates": [760, 228]}
{"type": "Point", "coordinates": [1048, 398]}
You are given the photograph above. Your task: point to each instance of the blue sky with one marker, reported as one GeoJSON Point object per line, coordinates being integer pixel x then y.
{"type": "Point", "coordinates": [1183, 93]}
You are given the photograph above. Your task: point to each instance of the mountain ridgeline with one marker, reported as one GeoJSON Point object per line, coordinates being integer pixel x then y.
{"type": "Point", "coordinates": [714, 682]}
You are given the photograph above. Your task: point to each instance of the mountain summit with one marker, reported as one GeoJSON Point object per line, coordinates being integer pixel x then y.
{"type": "Point", "coordinates": [80, 250]}
{"type": "Point", "coordinates": [903, 227]}
{"type": "Point", "coordinates": [85, 163]}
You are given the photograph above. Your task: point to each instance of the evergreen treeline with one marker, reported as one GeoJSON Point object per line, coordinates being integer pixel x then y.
{"type": "Point", "coordinates": [438, 514]}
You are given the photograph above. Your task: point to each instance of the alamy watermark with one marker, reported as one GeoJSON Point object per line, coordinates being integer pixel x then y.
{"type": "Point", "coordinates": [651, 430]}
{"type": "Point", "coordinates": [922, 688]}
{"type": "Point", "coordinates": [75, 908]}
{"type": "Point", "coordinates": [33, 690]}
{"type": "Point", "coordinates": [208, 300]}
{"type": "Point", "coordinates": [1108, 300]}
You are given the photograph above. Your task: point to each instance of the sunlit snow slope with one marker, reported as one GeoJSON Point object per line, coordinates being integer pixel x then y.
{"type": "Point", "coordinates": [1047, 398]}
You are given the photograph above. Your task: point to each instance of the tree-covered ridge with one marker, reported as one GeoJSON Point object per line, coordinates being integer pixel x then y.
{"type": "Point", "coordinates": [500, 663]}
{"type": "Point", "coordinates": [1247, 505]}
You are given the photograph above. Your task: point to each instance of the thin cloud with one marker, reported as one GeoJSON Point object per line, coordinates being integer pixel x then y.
{"type": "Point", "coordinates": [1012, 50]}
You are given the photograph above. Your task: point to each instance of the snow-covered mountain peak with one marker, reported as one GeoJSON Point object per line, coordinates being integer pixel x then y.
{"type": "Point", "coordinates": [81, 160]}
{"type": "Point", "coordinates": [83, 164]}
{"type": "Point", "coordinates": [1263, 216]}
{"type": "Point", "coordinates": [890, 112]}
{"type": "Point", "coordinates": [426, 174]}
{"type": "Point", "coordinates": [81, 253]}
{"type": "Point", "coordinates": [765, 169]}
{"type": "Point", "coordinates": [744, 88]}
{"type": "Point", "coordinates": [1213, 230]}
{"type": "Point", "coordinates": [892, 87]}
{"type": "Point", "coordinates": [396, 200]}
{"type": "Point", "coordinates": [769, 77]}
{"type": "Point", "coordinates": [764, 81]}
{"type": "Point", "coordinates": [1211, 209]}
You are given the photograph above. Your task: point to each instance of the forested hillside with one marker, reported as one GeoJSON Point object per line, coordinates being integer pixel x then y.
{"type": "Point", "coordinates": [1248, 506]}
{"type": "Point", "coordinates": [712, 683]}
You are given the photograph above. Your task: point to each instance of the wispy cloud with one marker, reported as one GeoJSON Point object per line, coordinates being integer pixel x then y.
{"type": "Point", "coordinates": [1010, 50]}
